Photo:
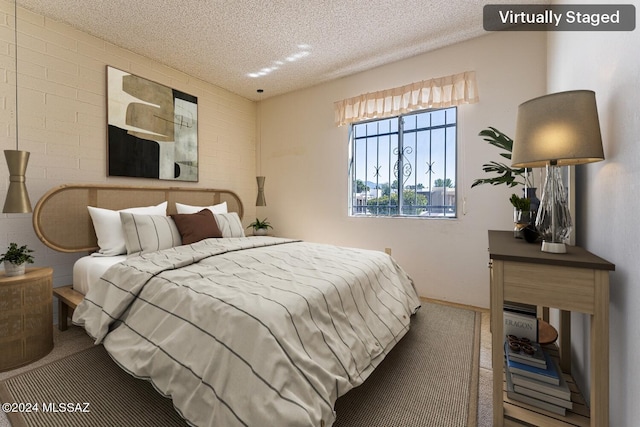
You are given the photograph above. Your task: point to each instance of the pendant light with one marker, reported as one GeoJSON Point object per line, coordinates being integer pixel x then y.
{"type": "Point", "coordinates": [17, 200]}
{"type": "Point", "coordinates": [260, 200]}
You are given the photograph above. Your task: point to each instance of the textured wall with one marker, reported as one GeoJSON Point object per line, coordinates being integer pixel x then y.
{"type": "Point", "coordinates": [305, 160]}
{"type": "Point", "coordinates": [62, 120]}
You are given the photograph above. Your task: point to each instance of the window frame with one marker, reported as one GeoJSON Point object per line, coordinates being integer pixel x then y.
{"type": "Point", "coordinates": [398, 164]}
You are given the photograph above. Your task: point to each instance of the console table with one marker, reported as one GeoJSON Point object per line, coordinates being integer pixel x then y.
{"type": "Point", "coordinates": [575, 281]}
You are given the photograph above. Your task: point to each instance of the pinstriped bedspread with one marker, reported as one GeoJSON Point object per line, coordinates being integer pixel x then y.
{"type": "Point", "coordinates": [251, 331]}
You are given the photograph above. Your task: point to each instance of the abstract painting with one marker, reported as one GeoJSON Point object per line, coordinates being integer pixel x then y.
{"type": "Point", "coordinates": [153, 129]}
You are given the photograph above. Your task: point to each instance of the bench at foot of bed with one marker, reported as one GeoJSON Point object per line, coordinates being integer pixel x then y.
{"type": "Point", "coordinates": [68, 300]}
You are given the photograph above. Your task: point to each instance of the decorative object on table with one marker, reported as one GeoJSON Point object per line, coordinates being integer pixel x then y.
{"type": "Point", "coordinates": [547, 334]}
{"type": "Point", "coordinates": [507, 175]}
{"type": "Point", "coordinates": [17, 200]}
{"type": "Point", "coordinates": [525, 351]}
{"type": "Point", "coordinates": [260, 228]}
{"type": "Point", "coordinates": [15, 259]}
{"type": "Point", "coordinates": [552, 131]}
{"type": "Point", "coordinates": [522, 214]}
{"type": "Point", "coordinates": [521, 325]}
{"type": "Point", "coordinates": [153, 129]}
{"type": "Point", "coordinates": [530, 233]}
{"type": "Point", "coordinates": [534, 202]}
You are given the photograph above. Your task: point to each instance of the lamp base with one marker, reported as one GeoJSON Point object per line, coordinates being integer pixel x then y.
{"type": "Point", "coordinates": [553, 247]}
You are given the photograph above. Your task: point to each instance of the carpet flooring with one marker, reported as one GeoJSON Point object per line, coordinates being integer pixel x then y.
{"type": "Point", "coordinates": [418, 384]}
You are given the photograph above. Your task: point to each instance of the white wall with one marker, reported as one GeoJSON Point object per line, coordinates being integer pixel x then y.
{"type": "Point", "coordinates": [304, 157]}
{"type": "Point", "coordinates": [607, 203]}
{"type": "Point", "coordinates": [62, 121]}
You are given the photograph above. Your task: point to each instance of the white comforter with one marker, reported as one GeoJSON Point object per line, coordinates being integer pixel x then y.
{"type": "Point", "coordinates": [251, 331]}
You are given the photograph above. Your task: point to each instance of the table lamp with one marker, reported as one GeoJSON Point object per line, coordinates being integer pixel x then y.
{"type": "Point", "coordinates": [556, 130]}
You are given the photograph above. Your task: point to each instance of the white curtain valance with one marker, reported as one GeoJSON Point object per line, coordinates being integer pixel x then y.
{"type": "Point", "coordinates": [440, 92]}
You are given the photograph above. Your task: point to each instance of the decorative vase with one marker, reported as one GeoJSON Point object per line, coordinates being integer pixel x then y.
{"type": "Point", "coordinates": [259, 231]}
{"type": "Point", "coordinates": [530, 193]}
{"type": "Point", "coordinates": [11, 269]}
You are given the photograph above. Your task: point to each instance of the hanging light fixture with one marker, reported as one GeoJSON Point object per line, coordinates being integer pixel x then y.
{"type": "Point", "coordinates": [17, 200]}
{"type": "Point", "coordinates": [260, 200]}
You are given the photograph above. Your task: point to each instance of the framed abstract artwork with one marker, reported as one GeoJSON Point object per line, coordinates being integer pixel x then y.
{"type": "Point", "coordinates": [152, 129]}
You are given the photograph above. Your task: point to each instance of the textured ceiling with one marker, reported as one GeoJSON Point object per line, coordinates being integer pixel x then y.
{"type": "Point", "coordinates": [279, 45]}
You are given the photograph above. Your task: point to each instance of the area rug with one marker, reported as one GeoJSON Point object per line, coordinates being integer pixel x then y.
{"type": "Point", "coordinates": [91, 377]}
{"type": "Point", "coordinates": [429, 379]}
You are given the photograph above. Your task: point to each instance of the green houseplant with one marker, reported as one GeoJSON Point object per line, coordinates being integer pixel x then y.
{"type": "Point", "coordinates": [260, 227]}
{"type": "Point", "coordinates": [506, 175]}
{"type": "Point", "coordinates": [524, 207]}
{"type": "Point", "coordinates": [15, 259]}
{"type": "Point", "coordinates": [520, 203]}
{"type": "Point", "coordinates": [522, 215]}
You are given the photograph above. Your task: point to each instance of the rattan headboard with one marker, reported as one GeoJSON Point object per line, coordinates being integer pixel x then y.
{"type": "Point", "coordinates": [61, 219]}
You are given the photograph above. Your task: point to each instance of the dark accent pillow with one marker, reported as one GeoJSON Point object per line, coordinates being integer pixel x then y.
{"type": "Point", "coordinates": [197, 226]}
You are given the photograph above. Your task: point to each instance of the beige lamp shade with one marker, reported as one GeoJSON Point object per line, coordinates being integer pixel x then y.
{"type": "Point", "coordinates": [17, 200]}
{"type": "Point", "coordinates": [561, 128]}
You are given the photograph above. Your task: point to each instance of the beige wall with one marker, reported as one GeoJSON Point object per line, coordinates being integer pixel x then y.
{"type": "Point", "coordinates": [607, 202]}
{"type": "Point", "coordinates": [63, 124]}
{"type": "Point", "coordinates": [62, 115]}
{"type": "Point", "coordinates": [304, 157]}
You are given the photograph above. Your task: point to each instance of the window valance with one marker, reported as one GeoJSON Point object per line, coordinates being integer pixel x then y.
{"type": "Point", "coordinates": [440, 92]}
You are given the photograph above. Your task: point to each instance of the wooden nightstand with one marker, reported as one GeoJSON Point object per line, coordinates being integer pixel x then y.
{"type": "Point", "coordinates": [575, 281]}
{"type": "Point", "coordinates": [26, 317]}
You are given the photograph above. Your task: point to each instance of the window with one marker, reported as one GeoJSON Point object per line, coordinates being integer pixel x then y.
{"type": "Point", "coordinates": [412, 154]}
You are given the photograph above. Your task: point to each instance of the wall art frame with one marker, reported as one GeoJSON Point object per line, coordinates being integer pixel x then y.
{"type": "Point", "coordinates": [152, 129]}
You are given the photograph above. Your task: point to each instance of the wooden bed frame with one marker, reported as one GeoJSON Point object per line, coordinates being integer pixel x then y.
{"type": "Point", "coordinates": [62, 222]}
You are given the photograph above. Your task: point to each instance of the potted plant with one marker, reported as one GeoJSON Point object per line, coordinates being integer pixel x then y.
{"type": "Point", "coordinates": [15, 259]}
{"type": "Point", "coordinates": [522, 215]}
{"type": "Point", "coordinates": [260, 228]}
{"type": "Point", "coordinates": [505, 174]}
{"type": "Point", "coordinates": [520, 203]}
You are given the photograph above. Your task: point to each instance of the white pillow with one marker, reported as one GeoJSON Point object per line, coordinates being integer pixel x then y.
{"type": "Point", "coordinates": [149, 233]}
{"type": "Point", "coordinates": [229, 224]}
{"type": "Point", "coordinates": [108, 227]}
{"type": "Point", "coordinates": [188, 209]}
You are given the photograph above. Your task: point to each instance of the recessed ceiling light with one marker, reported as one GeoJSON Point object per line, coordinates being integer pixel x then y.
{"type": "Point", "coordinates": [291, 58]}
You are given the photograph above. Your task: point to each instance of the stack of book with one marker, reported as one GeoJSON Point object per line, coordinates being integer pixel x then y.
{"type": "Point", "coordinates": [520, 320]}
{"type": "Point", "coordinates": [533, 377]}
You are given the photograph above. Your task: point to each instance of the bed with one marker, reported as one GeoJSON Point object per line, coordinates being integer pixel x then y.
{"type": "Point", "coordinates": [245, 331]}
